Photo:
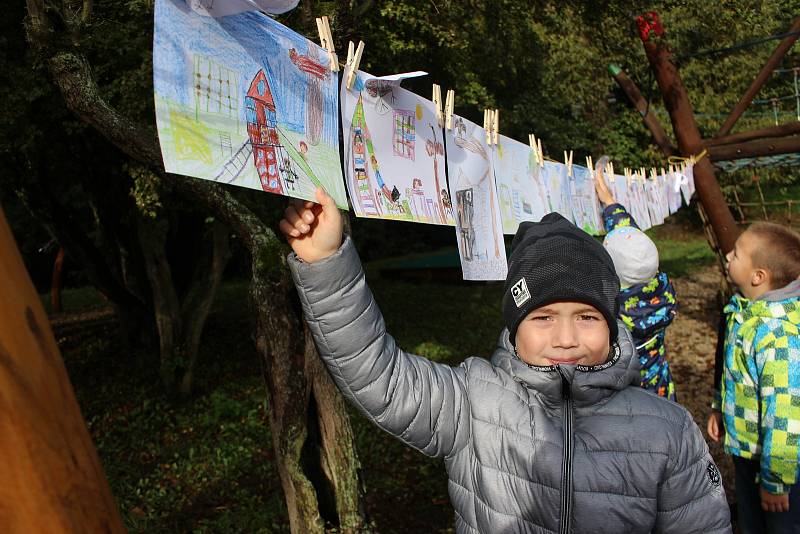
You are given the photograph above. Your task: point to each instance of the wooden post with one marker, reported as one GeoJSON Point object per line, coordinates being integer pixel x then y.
{"type": "Point", "coordinates": [790, 128]}
{"type": "Point", "coordinates": [52, 477]}
{"type": "Point", "coordinates": [773, 61]}
{"type": "Point", "coordinates": [689, 141]}
{"type": "Point", "coordinates": [755, 148]}
{"type": "Point", "coordinates": [648, 117]}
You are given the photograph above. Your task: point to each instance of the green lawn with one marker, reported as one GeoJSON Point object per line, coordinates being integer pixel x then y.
{"type": "Point", "coordinates": [206, 465]}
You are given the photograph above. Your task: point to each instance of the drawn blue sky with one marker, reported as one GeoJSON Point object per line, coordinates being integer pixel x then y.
{"type": "Point", "coordinates": [246, 43]}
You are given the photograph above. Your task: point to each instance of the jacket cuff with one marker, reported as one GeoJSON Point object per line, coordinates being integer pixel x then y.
{"type": "Point", "coordinates": [326, 276]}
{"type": "Point", "coordinates": [776, 488]}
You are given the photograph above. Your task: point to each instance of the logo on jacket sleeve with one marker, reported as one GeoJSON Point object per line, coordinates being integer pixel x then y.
{"type": "Point", "coordinates": [520, 292]}
{"type": "Point", "coordinates": [713, 474]}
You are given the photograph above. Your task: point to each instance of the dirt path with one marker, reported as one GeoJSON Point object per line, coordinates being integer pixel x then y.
{"type": "Point", "coordinates": [691, 341]}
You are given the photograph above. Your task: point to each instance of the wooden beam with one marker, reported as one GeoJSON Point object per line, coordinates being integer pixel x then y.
{"type": "Point", "coordinates": [52, 477]}
{"type": "Point", "coordinates": [790, 128]}
{"type": "Point", "coordinates": [773, 61]}
{"type": "Point", "coordinates": [756, 148]}
{"type": "Point", "coordinates": [689, 141]}
{"type": "Point", "coordinates": [645, 111]}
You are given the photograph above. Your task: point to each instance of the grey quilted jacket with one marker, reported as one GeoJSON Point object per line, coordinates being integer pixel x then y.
{"type": "Point", "coordinates": [527, 449]}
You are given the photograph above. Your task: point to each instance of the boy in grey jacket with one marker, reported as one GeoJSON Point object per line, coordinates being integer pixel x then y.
{"type": "Point", "coordinates": [552, 435]}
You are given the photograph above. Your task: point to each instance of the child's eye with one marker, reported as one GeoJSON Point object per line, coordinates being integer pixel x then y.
{"type": "Point", "coordinates": [540, 318]}
{"type": "Point", "coordinates": [585, 317]}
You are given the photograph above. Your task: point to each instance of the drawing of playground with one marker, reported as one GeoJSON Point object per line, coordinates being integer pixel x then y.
{"type": "Point", "coordinates": [393, 154]}
{"type": "Point", "coordinates": [243, 100]}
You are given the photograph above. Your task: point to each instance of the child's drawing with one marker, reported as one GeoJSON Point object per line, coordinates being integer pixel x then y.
{"type": "Point", "coordinates": [522, 195]}
{"type": "Point", "coordinates": [554, 175]}
{"type": "Point", "coordinates": [687, 183]}
{"type": "Point", "coordinates": [639, 203]}
{"type": "Point", "coordinates": [241, 99]}
{"type": "Point", "coordinates": [479, 228]}
{"type": "Point", "coordinates": [652, 191]}
{"type": "Point", "coordinates": [673, 191]}
{"type": "Point", "coordinates": [585, 206]}
{"type": "Point", "coordinates": [393, 153]}
{"type": "Point", "coordinates": [619, 187]}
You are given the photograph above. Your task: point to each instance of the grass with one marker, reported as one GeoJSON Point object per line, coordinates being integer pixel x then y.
{"type": "Point", "coordinates": [206, 465]}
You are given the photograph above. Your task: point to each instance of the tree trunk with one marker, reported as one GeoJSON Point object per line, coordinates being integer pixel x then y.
{"type": "Point", "coordinates": [153, 239]}
{"type": "Point", "coordinates": [55, 283]}
{"type": "Point", "coordinates": [199, 298]}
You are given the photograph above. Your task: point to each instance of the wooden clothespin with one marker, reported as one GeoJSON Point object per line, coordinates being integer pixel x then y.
{"type": "Point", "coordinates": [568, 162]}
{"type": "Point", "coordinates": [653, 173]}
{"type": "Point", "coordinates": [495, 126]}
{"type": "Point", "coordinates": [664, 172]}
{"type": "Point", "coordinates": [326, 41]}
{"type": "Point", "coordinates": [353, 61]}
{"type": "Point", "coordinates": [490, 124]}
{"type": "Point", "coordinates": [449, 107]}
{"type": "Point", "coordinates": [642, 173]}
{"type": "Point", "coordinates": [590, 166]}
{"type": "Point", "coordinates": [437, 104]}
{"type": "Point", "coordinates": [536, 146]}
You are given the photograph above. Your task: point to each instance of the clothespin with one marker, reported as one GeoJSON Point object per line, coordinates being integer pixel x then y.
{"type": "Point", "coordinates": [536, 146]}
{"type": "Point", "coordinates": [653, 173]}
{"type": "Point", "coordinates": [326, 41]}
{"type": "Point", "coordinates": [642, 173]}
{"type": "Point", "coordinates": [590, 166]}
{"type": "Point", "coordinates": [568, 162]}
{"type": "Point", "coordinates": [449, 107]}
{"type": "Point", "coordinates": [663, 172]}
{"type": "Point", "coordinates": [490, 124]}
{"type": "Point", "coordinates": [610, 170]}
{"type": "Point", "coordinates": [353, 61]}
{"type": "Point", "coordinates": [437, 104]}
{"type": "Point", "coordinates": [495, 126]}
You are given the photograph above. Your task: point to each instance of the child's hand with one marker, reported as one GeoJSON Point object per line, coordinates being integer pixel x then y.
{"type": "Point", "coordinates": [714, 427]}
{"type": "Point", "coordinates": [313, 230]}
{"type": "Point", "coordinates": [774, 503]}
{"type": "Point", "coordinates": [603, 193]}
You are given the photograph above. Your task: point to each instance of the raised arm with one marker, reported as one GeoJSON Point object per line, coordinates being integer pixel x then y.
{"type": "Point", "coordinates": [614, 215]}
{"type": "Point", "coordinates": [422, 403]}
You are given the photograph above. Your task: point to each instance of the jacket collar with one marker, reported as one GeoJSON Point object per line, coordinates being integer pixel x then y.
{"type": "Point", "coordinates": [588, 385]}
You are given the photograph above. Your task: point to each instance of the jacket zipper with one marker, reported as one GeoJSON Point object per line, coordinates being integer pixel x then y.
{"type": "Point", "coordinates": [566, 464]}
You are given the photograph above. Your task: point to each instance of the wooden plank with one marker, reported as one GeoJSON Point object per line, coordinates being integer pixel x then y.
{"type": "Point", "coordinates": [52, 477]}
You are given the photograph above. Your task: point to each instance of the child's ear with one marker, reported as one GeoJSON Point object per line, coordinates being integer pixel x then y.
{"type": "Point", "coordinates": [759, 277]}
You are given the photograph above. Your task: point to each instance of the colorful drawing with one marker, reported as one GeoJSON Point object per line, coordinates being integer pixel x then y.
{"type": "Point", "coordinates": [651, 192]}
{"type": "Point", "coordinates": [673, 191]}
{"type": "Point", "coordinates": [554, 175]}
{"type": "Point", "coordinates": [479, 228]}
{"type": "Point", "coordinates": [241, 99]}
{"type": "Point", "coordinates": [619, 188]}
{"type": "Point", "coordinates": [393, 154]}
{"type": "Point", "coordinates": [640, 213]}
{"type": "Point", "coordinates": [585, 206]}
{"type": "Point", "coordinates": [522, 195]}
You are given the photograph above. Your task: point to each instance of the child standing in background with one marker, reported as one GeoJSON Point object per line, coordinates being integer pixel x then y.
{"type": "Point", "coordinates": [647, 302]}
{"type": "Point", "coordinates": [759, 401]}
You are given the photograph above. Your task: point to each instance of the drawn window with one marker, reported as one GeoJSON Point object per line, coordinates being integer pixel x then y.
{"type": "Point", "coordinates": [404, 136]}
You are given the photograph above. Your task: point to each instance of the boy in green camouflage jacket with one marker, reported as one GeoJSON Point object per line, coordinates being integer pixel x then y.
{"type": "Point", "coordinates": [759, 401]}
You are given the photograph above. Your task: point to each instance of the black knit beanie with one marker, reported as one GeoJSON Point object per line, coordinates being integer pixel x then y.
{"type": "Point", "coordinates": [555, 261]}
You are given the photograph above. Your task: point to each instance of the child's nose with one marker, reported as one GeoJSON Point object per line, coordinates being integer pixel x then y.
{"type": "Point", "coordinates": [565, 336]}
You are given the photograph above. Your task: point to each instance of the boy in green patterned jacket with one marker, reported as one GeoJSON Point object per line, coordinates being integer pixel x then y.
{"type": "Point", "coordinates": [759, 402]}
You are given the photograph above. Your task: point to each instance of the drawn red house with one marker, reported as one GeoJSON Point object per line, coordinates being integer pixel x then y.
{"type": "Point", "coordinates": [269, 156]}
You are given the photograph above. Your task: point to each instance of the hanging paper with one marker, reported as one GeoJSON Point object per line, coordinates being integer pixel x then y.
{"type": "Point", "coordinates": [479, 228]}
{"type": "Point", "coordinates": [393, 153]}
{"type": "Point", "coordinates": [521, 192]}
{"type": "Point", "coordinates": [243, 100]}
